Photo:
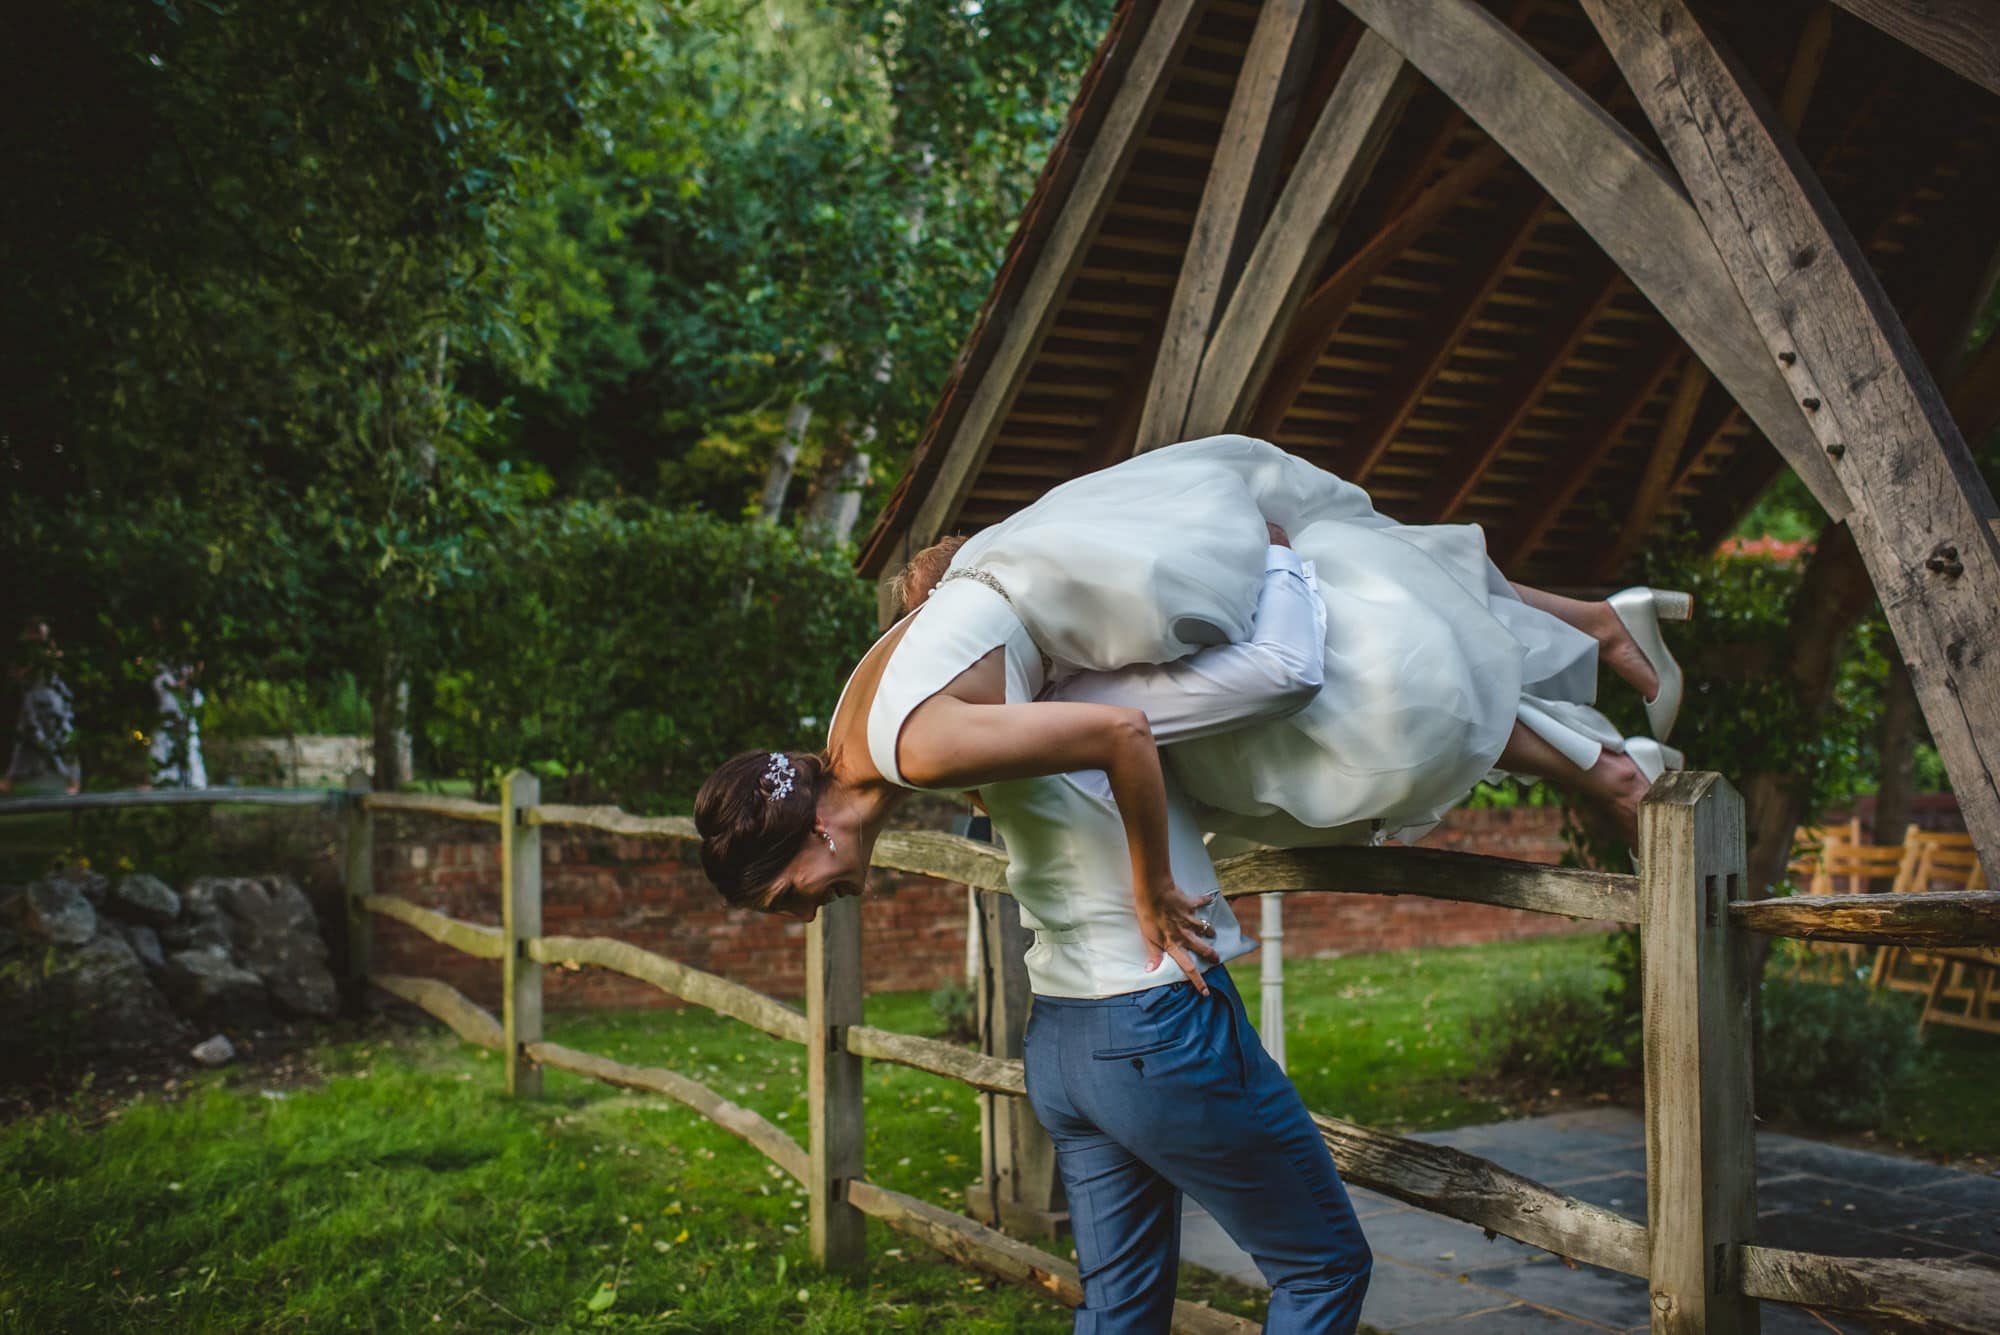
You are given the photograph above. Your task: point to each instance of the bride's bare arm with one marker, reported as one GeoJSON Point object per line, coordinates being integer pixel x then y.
{"type": "Point", "coordinates": [951, 743]}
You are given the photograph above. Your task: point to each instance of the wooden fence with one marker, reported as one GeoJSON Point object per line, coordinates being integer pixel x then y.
{"type": "Point", "coordinates": [1696, 1249]}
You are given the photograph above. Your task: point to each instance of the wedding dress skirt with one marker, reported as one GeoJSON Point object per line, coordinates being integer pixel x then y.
{"type": "Point", "coordinates": [1431, 657]}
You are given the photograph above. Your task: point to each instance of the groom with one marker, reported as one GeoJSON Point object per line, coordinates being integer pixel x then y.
{"type": "Point", "coordinates": [1153, 1089]}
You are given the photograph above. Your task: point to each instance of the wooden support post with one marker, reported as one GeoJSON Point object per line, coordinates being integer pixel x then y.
{"type": "Point", "coordinates": [1617, 191]}
{"type": "Point", "coordinates": [833, 1084]}
{"type": "Point", "coordinates": [360, 883]}
{"type": "Point", "coordinates": [1923, 518]}
{"type": "Point", "coordinates": [521, 921]}
{"type": "Point", "coordinates": [1020, 1189]}
{"type": "Point", "coordinates": [1271, 995]}
{"type": "Point", "coordinates": [1347, 139]}
{"type": "Point", "coordinates": [1232, 206]}
{"type": "Point", "coordinates": [1701, 1169]}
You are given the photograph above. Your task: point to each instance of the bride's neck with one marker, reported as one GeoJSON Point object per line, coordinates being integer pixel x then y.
{"type": "Point", "coordinates": [865, 805]}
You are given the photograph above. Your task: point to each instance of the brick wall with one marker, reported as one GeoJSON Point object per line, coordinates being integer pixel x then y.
{"type": "Point", "coordinates": [651, 892]}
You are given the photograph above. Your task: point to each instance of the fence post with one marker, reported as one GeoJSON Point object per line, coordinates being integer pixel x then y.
{"type": "Point", "coordinates": [1019, 1188]}
{"type": "Point", "coordinates": [1701, 1162]}
{"type": "Point", "coordinates": [359, 884]}
{"type": "Point", "coordinates": [833, 1083]}
{"type": "Point", "coordinates": [521, 919]}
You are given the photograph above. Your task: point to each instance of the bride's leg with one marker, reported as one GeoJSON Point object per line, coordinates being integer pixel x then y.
{"type": "Point", "coordinates": [1616, 648]}
{"type": "Point", "coordinates": [1613, 785]}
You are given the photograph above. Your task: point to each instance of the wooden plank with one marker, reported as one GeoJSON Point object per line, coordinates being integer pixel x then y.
{"type": "Point", "coordinates": [762, 1135]}
{"type": "Point", "coordinates": [613, 821]}
{"type": "Point", "coordinates": [1479, 1192]}
{"type": "Point", "coordinates": [472, 938]}
{"type": "Point", "coordinates": [1646, 371]}
{"type": "Point", "coordinates": [1240, 176]}
{"type": "Point", "coordinates": [427, 804]}
{"type": "Point", "coordinates": [945, 856]}
{"type": "Point", "coordinates": [1023, 326]}
{"type": "Point", "coordinates": [718, 994]}
{"type": "Point", "coordinates": [448, 1004]}
{"type": "Point", "coordinates": [1457, 309]}
{"type": "Point", "coordinates": [1319, 316]}
{"type": "Point", "coordinates": [1658, 476]}
{"type": "Point", "coordinates": [1701, 1178]}
{"type": "Point", "coordinates": [1472, 878]}
{"type": "Point", "coordinates": [1961, 35]}
{"type": "Point", "coordinates": [1020, 1187]}
{"type": "Point", "coordinates": [833, 1084]}
{"type": "Point", "coordinates": [358, 882]}
{"type": "Point", "coordinates": [1924, 1295]}
{"type": "Point", "coordinates": [995, 1075]}
{"type": "Point", "coordinates": [1538, 366]}
{"type": "Point", "coordinates": [1923, 517]}
{"type": "Point", "coordinates": [1930, 918]}
{"type": "Point", "coordinates": [1331, 170]}
{"type": "Point", "coordinates": [994, 1253]}
{"type": "Point", "coordinates": [521, 922]}
{"type": "Point", "coordinates": [171, 797]}
{"type": "Point", "coordinates": [1618, 192]}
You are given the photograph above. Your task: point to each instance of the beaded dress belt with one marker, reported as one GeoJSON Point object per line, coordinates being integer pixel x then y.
{"type": "Point", "coordinates": [993, 583]}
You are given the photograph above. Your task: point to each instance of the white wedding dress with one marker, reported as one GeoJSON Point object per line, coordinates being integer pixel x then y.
{"type": "Point", "coordinates": [1431, 657]}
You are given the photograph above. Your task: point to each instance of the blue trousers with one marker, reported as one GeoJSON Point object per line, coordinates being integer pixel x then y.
{"type": "Point", "coordinates": [1159, 1093]}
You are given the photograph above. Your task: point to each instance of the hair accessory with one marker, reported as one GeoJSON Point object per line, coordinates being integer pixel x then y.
{"type": "Point", "coordinates": [779, 775]}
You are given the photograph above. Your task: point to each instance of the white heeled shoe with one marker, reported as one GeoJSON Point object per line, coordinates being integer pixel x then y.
{"type": "Point", "coordinates": [1653, 758]}
{"type": "Point", "coordinates": [1641, 610]}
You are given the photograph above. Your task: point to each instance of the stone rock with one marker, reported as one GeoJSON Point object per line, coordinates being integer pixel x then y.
{"type": "Point", "coordinates": [210, 984]}
{"type": "Point", "coordinates": [144, 899]}
{"type": "Point", "coordinates": [204, 923]}
{"type": "Point", "coordinates": [54, 910]}
{"type": "Point", "coordinates": [276, 936]}
{"type": "Point", "coordinates": [94, 998]}
{"type": "Point", "coordinates": [145, 944]}
{"type": "Point", "coordinates": [92, 885]}
{"type": "Point", "coordinates": [216, 1051]}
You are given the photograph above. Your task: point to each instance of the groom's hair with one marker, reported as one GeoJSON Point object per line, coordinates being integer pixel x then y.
{"type": "Point", "coordinates": [752, 822]}
{"type": "Point", "coordinates": [914, 582]}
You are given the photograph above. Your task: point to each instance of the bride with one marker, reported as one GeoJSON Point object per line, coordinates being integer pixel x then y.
{"type": "Point", "coordinates": [1020, 659]}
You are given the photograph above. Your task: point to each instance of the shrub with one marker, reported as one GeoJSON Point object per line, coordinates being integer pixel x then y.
{"type": "Point", "coordinates": [1832, 1056]}
{"type": "Point", "coordinates": [624, 651]}
{"type": "Point", "coordinates": [1568, 1028]}
{"type": "Point", "coordinates": [957, 1011]}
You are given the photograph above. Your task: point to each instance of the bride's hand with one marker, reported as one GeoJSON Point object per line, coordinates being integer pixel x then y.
{"type": "Point", "coordinates": [1173, 930]}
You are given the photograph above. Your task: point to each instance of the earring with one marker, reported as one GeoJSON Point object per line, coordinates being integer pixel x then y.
{"type": "Point", "coordinates": [829, 840]}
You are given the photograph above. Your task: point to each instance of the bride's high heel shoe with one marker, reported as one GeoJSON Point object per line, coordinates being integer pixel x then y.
{"type": "Point", "coordinates": [1641, 610]}
{"type": "Point", "coordinates": [1653, 758]}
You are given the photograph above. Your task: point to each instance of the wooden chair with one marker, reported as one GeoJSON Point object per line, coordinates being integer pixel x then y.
{"type": "Point", "coordinates": [1932, 862]}
{"type": "Point", "coordinates": [1809, 842]}
{"type": "Point", "coordinates": [1844, 868]}
{"type": "Point", "coordinates": [1971, 976]}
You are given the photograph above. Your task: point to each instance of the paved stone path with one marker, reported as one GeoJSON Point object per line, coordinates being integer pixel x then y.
{"type": "Point", "coordinates": [1437, 1275]}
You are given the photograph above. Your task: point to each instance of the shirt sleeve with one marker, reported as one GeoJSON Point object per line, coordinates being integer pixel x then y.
{"type": "Point", "coordinates": [1276, 671]}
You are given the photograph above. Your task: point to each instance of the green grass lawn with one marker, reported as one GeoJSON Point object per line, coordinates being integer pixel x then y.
{"type": "Point", "coordinates": [385, 1183]}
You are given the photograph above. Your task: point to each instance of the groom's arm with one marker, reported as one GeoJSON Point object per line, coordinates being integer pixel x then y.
{"type": "Point", "coordinates": [1276, 671]}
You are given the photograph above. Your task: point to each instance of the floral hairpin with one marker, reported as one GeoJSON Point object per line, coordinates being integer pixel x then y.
{"type": "Point", "coordinates": [778, 776]}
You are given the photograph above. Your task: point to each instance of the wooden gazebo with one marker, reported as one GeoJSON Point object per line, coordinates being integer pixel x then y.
{"type": "Point", "coordinates": [1585, 273]}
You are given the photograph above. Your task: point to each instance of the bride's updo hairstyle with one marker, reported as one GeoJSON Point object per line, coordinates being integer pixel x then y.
{"type": "Point", "coordinates": [753, 814]}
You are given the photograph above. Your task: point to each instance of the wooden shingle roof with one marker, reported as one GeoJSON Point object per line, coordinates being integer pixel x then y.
{"type": "Point", "coordinates": [1467, 352]}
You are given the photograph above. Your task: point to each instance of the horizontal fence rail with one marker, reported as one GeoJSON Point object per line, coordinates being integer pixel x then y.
{"type": "Point", "coordinates": [1691, 828]}
{"type": "Point", "coordinates": [174, 797]}
{"type": "Point", "coordinates": [1926, 918]}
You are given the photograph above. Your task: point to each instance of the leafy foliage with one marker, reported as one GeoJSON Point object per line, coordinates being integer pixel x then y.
{"type": "Point", "coordinates": [1832, 1056]}
{"type": "Point", "coordinates": [626, 652]}
{"type": "Point", "coordinates": [1566, 1026]}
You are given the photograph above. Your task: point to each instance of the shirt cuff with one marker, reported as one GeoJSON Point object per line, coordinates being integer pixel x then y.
{"type": "Point", "coordinates": [1278, 558]}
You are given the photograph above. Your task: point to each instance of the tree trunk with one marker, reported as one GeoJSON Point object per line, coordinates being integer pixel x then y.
{"type": "Point", "coordinates": [778, 478]}
{"type": "Point", "coordinates": [1898, 745]}
{"type": "Point", "coordinates": [836, 498]}
{"type": "Point", "coordinates": [1834, 595]}
{"type": "Point", "coordinates": [390, 700]}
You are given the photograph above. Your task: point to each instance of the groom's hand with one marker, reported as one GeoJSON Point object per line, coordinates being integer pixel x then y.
{"type": "Point", "coordinates": [1279, 538]}
{"type": "Point", "coordinates": [1173, 929]}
